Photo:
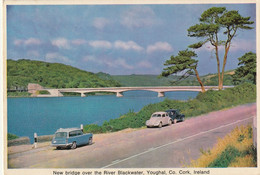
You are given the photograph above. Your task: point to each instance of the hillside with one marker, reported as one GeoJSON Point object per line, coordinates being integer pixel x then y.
{"type": "Point", "coordinates": [52, 75]}
{"type": "Point", "coordinates": [153, 80]}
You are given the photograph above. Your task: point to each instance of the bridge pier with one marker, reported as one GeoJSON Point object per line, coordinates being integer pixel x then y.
{"type": "Point", "coordinates": [82, 94]}
{"type": "Point", "coordinates": [119, 94]}
{"type": "Point", "coordinates": [161, 94]}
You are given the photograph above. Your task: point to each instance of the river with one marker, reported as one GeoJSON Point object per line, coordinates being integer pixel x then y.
{"type": "Point", "coordinates": [25, 116]}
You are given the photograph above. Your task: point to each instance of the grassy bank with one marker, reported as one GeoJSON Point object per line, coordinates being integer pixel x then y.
{"type": "Point", "coordinates": [202, 104]}
{"type": "Point", "coordinates": [234, 150]}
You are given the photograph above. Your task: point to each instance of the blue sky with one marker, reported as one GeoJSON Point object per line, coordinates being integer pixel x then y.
{"type": "Point", "coordinates": [116, 39]}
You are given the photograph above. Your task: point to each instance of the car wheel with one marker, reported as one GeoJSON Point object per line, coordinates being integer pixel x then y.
{"type": "Point", "coordinates": [58, 147]}
{"type": "Point", "coordinates": [160, 125]}
{"type": "Point", "coordinates": [175, 121]}
{"type": "Point", "coordinates": [90, 141]}
{"type": "Point", "coordinates": [182, 119]}
{"type": "Point", "coordinates": [170, 122]}
{"type": "Point", "coordinates": [74, 145]}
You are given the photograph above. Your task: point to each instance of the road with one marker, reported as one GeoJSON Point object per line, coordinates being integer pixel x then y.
{"type": "Point", "coordinates": [167, 147]}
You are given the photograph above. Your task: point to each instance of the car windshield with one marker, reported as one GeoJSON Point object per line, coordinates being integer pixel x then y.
{"type": "Point", "coordinates": [156, 115]}
{"type": "Point", "coordinates": [60, 135]}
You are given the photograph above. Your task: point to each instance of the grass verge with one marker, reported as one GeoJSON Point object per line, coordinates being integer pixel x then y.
{"type": "Point", "coordinates": [234, 150]}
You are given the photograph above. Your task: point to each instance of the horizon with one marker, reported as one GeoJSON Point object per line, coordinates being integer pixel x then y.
{"type": "Point", "coordinates": [117, 39]}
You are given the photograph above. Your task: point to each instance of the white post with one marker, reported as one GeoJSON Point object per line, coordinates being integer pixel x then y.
{"type": "Point", "coordinates": [81, 127]}
{"type": "Point", "coordinates": [35, 140]}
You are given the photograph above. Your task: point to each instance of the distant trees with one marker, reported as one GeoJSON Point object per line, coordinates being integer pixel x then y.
{"type": "Point", "coordinates": [183, 63]}
{"type": "Point", "coordinates": [213, 22]}
{"type": "Point", "coordinates": [53, 75]}
{"type": "Point", "coordinates": [247, 69]}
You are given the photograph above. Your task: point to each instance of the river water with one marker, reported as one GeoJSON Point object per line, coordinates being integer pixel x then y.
{"type": "Point", "coordinates": [25, 116]}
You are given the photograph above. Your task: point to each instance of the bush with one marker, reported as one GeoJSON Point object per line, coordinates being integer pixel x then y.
{"type": "Point", "coordinates": [203, 103]}
{"type": "Point", "coordinates": [11, 136]}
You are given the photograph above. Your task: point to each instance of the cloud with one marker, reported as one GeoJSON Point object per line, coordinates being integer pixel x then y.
{"type": "Point", "coordinates": [244, 45]}
{"type": "Point", "coordinates": [108, 62]}
{"type": "Point", "coordinates": [236, 45]}
{"type": "Point", "coordinates": [56, 57]}
{"type": "Point", "coordinates": [122, 63]}
{"type": "Point", "coordinates": [130, 45]}
{"type": "Point", "coordinates": [144, 64]}
{"type": "Point", "coordinates": [79, 42]}
{"type": "Point", "coordinates": [30, 41]}
{"type": "Point", "coordinates": [159, 46]}
{"type": "Point", "coordinates": [137, 17]}
{"type": "Point", "coordinates": [100, 23]}
{"type": "Point", "coordinates": [100, 44]}
{"type": "Point", "coordinates": [33, 53]}
{"type": "Point", "coordinates": [61, 43]}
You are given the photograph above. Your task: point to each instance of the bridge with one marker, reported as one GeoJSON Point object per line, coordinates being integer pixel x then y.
{"type": "Point", "coordinates": [119, 90]}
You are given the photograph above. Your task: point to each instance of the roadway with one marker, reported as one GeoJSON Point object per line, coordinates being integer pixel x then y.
{"type": "Point", "coordinates": [167, 147]}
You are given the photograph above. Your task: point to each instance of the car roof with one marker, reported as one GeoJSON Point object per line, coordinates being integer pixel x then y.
{"type": "Point", "coordinates": [160, 112]}
{"type": "Point", "coordinates": [67, 129]}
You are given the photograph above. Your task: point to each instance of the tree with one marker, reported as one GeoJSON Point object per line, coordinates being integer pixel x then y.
{"type": "Point", "coordinates": [247, 69]}
{"type": "Point", "coordinates": [214, 21]}
{"type": "Point", "coordinates": [183, 63]}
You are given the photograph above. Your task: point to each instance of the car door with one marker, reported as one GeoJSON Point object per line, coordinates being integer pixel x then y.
{"type": "Point", "coordinates": [164, 119]}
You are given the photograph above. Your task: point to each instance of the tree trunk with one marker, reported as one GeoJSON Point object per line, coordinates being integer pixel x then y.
{"type": "Point", "coordinates": [218, 64]}
{"type": "Point", "coordinates": [200, 82]}
{"type": "Point", "coordinates": [227, 46]}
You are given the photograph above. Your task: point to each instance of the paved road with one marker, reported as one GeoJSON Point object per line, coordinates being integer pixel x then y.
{"type": "Point", "coordinates": [170, 146]}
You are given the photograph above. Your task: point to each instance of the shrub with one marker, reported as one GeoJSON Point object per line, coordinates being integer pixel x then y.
{"type": "Point", "coordinates": [11, 136]}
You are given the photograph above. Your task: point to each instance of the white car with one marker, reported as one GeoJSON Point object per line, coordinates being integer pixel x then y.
{"type": "Point", "coordinates": [159, 119]}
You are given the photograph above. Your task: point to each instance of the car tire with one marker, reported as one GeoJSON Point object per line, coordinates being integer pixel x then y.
{"type": "Point", "coordinates": [170, 122]}
{"type": "Point", "coordinates": [74, 145]}
{"type": "Point", "coordinates": [90, 141]}
{"type": "Point", "coordinates": [160, 125]}
{"type": "Point", "coordinates": [175, 121]}
{"type": "Point", "coordinates": [182, 119]}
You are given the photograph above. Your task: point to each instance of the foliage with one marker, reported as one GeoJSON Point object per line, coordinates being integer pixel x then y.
{"type": "Point", "coordinates": [247, 70]}
{"type": "Point", "coordinates": [212, 22]}
{"type": "Point", "coordinates": [43, 92]}
{"type": "Point", "coordinates": [52, 75]}
{"type": "Point", "coordinates": [11, 136]}
{"type": "Point", "coordinates": [234, 150]}
{"type": "Point", "coordinates": [18, 94]}
{"type": "Point", "coordinates": [184, 63]}
{"type": "Point", "coordinates": [203, 103]}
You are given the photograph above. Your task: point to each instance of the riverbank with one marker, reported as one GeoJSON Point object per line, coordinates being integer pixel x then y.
{"type": "Point", "coordinates": [202, 104]}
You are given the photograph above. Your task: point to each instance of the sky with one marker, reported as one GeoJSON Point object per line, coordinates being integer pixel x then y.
{"type": "Point", "coordinates": [117, 39]}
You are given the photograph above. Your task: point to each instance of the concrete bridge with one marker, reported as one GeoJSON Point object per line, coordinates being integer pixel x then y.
{"type": "Point", "coordinates": [119, 90]}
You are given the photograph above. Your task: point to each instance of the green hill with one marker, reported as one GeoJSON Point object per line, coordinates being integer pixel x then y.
{"type": "Point", "coordinates": [51, 75]}
{"type": "Point", "coordinates": [153, 80]}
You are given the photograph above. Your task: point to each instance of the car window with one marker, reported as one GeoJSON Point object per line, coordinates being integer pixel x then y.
{"type": "Point", "coordinates": [79, 132]}
{"type": "Point", "coordinates": [167, 115]}
{"type": "Point", "coordinates": [60, 135]}
{"type": "Point", "coordinates": [163, 115]}
{"type": "Point", "coordinates": [73, 133]}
